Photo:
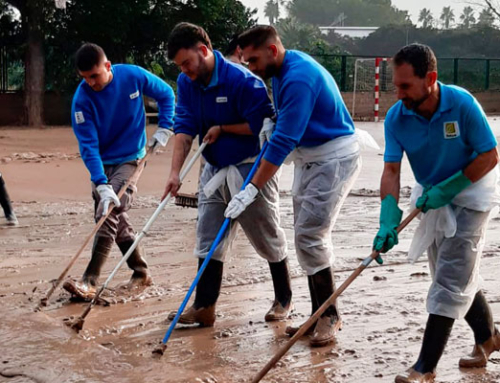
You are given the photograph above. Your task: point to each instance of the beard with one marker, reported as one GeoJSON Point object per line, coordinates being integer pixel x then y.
{"type": "Point", "coordinates": [413, 104]}
{"type": "Point", "coordinates": [269, 71]}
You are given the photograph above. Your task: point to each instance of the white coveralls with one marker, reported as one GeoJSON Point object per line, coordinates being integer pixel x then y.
{"type": "Point", "coordinates": [454, 239]}
{"type": "Point", "coordinates": [261, 223]}
{"type": "Point", "coordinates": [323, 177]}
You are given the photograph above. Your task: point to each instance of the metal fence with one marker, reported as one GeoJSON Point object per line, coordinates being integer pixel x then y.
{"type": "Point", "coordinates": [474, 74]}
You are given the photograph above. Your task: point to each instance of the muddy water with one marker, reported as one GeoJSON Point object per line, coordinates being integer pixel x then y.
{"type": "Point", "coordinates": [383, 311]}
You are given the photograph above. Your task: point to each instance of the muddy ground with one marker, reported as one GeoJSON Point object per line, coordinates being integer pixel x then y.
{"type": "Point", "coordinates": [383, 310]}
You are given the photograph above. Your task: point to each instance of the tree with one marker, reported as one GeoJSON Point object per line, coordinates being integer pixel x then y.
{"type": "Point", "coordinates": [34, 14]}
{"type": "Point", "coordinates": [426, 18]}
{"type": "Point", "coordinates": [467, 17]}
{"type": "Point", "coordinates": [357, 12]}
{"type": "Point", "coordinates": [447, 17]}
{"type": "Point", "coordinates": [486, 18]}
{"type": "Point", "coordinates": [272, 11]}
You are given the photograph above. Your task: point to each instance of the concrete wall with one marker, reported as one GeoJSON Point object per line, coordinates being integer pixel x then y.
{"type": "Point", "coordinates": [58, 107]}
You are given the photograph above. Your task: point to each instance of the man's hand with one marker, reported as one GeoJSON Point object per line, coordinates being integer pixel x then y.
{"type": "Point", "coordinates": [240, 201]}
{"type": "Point", "coordinates": [390, 217]}
{"type": "Point", "coordinates": [172, 186]}
{"type": "Point", "coordinates": [443, 193]}
{"type": "Point", "coordinates": [160, 137]}
{"type": "Point", "coordinates": [213, 134]}
{"type": "Point", "coordinates": [106, 196]}
{"type": "Point", "coordinates": [266, 131]}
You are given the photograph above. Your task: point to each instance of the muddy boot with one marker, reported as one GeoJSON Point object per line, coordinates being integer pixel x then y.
{"type": "Point", "coordinates": [487, 337]}
{"type": "Point", "coordinates": [207, 292]}
{"type": "Point", "coordinates": [412, 376]}
{"type": "Point", "coordinates": [141, 276]}
{"type": "Point", "coordinates": [282, 306]}
{"type": "Point", "coordinates": [437, 332]}
{"type": "Point", "coordinates": [292, 330]}
{"type": "Point", "coordinates": [86, 288]}
{"type": "Point", "coordinates": [329, 323]}
{"type": "Point", "coordinates": [6, 204]}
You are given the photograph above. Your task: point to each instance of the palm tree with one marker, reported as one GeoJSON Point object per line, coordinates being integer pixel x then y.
{"type": "Point", "coordinates": [467, 17]}
{"type": "Point", "coordinates": [272, 11]}
{"type": "Point", "coordinates": [447, 17]}
{"type": "Point", "coordinates": [425, 17]}
{"type": "Point", "coordinates": [486, 18]}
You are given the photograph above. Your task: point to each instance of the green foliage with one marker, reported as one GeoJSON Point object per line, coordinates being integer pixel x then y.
{"type": "Point", "coordinates": [467, 17]}
{"type": "Point", "coordinates": [425, 17]}
{"type": "Point", "coordinates": [357, 12]}
{"type": "Point", "coordinates": [447, 17]}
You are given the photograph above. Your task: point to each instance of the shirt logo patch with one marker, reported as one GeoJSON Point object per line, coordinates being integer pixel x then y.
{"type": "Point", "coordinates": [134, 95]}
{"type": "Point", "coordinates": [451, 130]}
{"type": "Point", "coordinates": [79, 118]}
{"type": "Point", "coordinates": [220, 100]}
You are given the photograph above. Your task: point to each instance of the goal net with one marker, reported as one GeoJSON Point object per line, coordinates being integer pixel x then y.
{"type": "Point", "coordinates": [372, 78]}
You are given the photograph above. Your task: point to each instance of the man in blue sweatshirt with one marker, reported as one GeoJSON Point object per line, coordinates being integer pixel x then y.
{"type": "Point", "coordinates": [109, 122]}
{"type": "Point", "coordinates": [314, 127]}
{"type": "Point", "coordinates": [225, 105]}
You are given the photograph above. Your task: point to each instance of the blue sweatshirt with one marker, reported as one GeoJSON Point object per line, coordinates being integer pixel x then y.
{"type": "Point", "coordinates": [233, 96]}
{"type": "Point", "coordinates": [110, 125]}
{"type": "Point", "coordinates": [309, 106]}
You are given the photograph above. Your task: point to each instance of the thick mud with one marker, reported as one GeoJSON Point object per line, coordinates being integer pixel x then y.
{"type": "Point", "coordinates": [383, 310]}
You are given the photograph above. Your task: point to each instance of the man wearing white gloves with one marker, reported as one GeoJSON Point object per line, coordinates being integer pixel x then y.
{"type": "Point", "coordinates": [109, 122]}
{"type": "Point", "coordinates": [452, 152]}
{"type": "Point", "coordinates": [225, 105]}
{"type": "Point", "coordinates": [314, 126]}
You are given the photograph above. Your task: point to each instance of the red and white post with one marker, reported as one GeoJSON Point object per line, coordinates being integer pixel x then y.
{"type": "Point", "coordinates": [377, 88]}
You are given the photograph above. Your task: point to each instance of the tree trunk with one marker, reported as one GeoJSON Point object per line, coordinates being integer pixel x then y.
{"type": "Point", "coordinates": [34, 83]}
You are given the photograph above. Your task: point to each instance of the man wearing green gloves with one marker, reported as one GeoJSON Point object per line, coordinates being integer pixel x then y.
{"type": "Point", "coordinates": [452, 152]}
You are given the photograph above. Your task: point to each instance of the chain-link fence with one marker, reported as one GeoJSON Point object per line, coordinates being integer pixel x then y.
{"type": "Point", "coordinates": [473, 74]}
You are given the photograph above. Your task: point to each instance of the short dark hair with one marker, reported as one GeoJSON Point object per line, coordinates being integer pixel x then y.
{"type": "Point", "coordinates": [419, 56]}
{"type": "Point", "coordinates": [257, 36]}
{"type": "Point", "coordinates": [88, 56]}
{"type": "Point", "coordinates": [231, 47]}
{"type": "Point", "coordinates": [186, 36]}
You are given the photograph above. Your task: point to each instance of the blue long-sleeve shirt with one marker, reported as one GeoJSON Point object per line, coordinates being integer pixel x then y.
{"type": "Point", "coordinates": [110, 124]}
{"type": "Point", "coordinates": [233, 96]}
{"type": "Point", "coordinates": [309, 107]}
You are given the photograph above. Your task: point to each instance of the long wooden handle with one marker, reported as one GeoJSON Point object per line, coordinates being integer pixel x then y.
{"type": "Point", "coordinates": [133, 177]}
{"type": "Point", "coordinates": [302, 330]}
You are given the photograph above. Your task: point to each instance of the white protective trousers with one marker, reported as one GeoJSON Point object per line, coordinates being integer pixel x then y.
{"type": "Point", "coordinates": [260, 221]}
{"type": "Point", "coordinates": [454, 239]}
{"type": "Point", "coordinates": [323, 177]}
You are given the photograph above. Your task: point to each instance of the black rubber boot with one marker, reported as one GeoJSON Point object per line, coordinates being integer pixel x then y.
{"type": "Point", "coordinates": [136, 261]}
{"type": "Point", "coordinates": [282, 305]}
{"type": "Point", "coordinates": [292, 330]}
{"type": "Point", "coordinates": [437, 332]}
{"type": "Point", "coordinates": [86, 288]}
{"type": "Point", "coordinates": [480, 319]}
{"type": "Point", "coordinates": [5, 199]}
{"type": "Point", "coordinates": [207, 292]}
{"type": "Point", "coordinates": [329, 323]}
{"type": "Point", "coordinates": [100, 252]}
{"type": "Point", "coordinates": [487, 337]}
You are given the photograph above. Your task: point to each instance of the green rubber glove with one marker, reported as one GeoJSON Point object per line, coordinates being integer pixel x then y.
{"type": "Point", "coordinates": [390, 217]}
{"type": "Point", "coordinates": [443, 193]}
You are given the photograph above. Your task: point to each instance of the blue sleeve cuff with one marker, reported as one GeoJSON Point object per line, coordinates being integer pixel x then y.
{"type": "Point", "coordinates": [392, 158]}
{"type": "Point", "coordinates": [275, 154]}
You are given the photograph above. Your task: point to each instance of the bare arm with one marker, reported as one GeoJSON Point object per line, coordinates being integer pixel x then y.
{"type": "Point", "coordinates": [265, 172]}
{"type": "Point", "coordinates": [390, 182]}
{"type": "Point", "coordinates": [214, 132]}
{"type": "Point", "coordinates": [481, 165]}
{"type": "Point", "coordinates": [182, 145]}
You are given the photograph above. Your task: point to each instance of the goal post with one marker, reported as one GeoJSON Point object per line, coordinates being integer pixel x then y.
{"type": "Point", "coordinates": [371, 75]}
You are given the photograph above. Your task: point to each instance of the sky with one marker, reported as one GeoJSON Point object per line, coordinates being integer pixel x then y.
{"type": "Point", "coordinates": [412, 6]}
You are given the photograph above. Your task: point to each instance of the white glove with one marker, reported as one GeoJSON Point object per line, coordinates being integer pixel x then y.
{"type": "Point", "coordinates": [266, 131]}
{"type": "Point", "coordinates": [161, 136]}
{"type": "Point", "coordinates": [240, 201]}
{"type": "Point", "coordinates": [106, 195]}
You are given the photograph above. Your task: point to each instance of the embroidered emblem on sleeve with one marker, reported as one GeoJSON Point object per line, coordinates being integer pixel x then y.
{"type": "Point", "coordinates": [79, 118]}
